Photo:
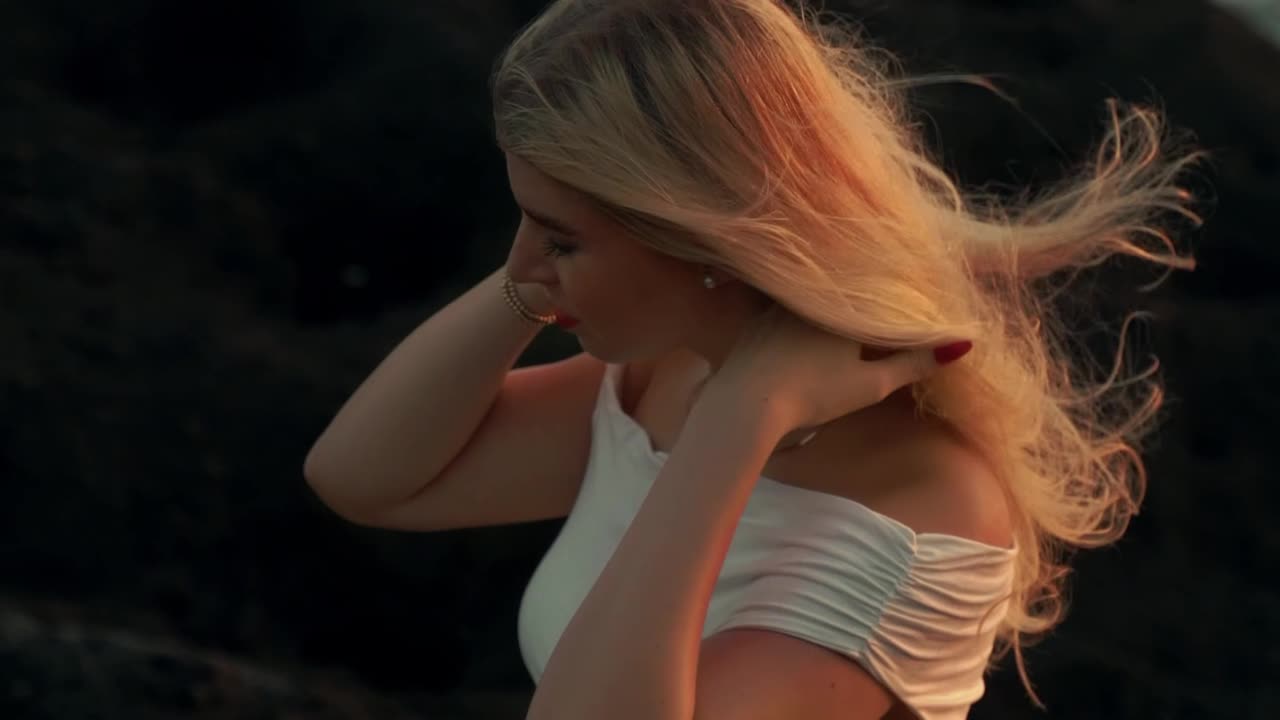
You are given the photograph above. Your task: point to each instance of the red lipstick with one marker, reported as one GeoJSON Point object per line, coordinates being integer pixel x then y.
{"type": "Point", "coordinates": [565, 321]}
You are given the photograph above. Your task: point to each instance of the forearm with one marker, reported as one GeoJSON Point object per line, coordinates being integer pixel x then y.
{"type": "Point", "coordinates": [631, 650]}
{"type": "Point", "coordinates": [419, 407]}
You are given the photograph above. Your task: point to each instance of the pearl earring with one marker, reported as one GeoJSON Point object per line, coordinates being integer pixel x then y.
{"type": "Point", "coordinates": [708, 280]}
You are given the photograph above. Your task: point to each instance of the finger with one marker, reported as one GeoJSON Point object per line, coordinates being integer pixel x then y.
{"type": "Point", "coordinates": [910, 367]}
{"type": "Point", "coordinates": [952, 352]}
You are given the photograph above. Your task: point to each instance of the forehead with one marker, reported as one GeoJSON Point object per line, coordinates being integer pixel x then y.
{"type": "Point", "coordinates": [540, 193]}
{"type": "Point", "coordinates": [528, 182]}
{"type": "Point", "coordinates": [549, 201]}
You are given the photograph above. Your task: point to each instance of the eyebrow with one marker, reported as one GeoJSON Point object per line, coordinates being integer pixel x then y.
{"type": "Point", "coordinates": [550, 222]}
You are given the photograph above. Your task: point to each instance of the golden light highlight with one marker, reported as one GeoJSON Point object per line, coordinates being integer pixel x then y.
{"type": "Point", "coordinates": [778, 146]}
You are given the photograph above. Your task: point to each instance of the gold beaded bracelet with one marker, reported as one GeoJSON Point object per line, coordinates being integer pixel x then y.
{"type": "Point", "coordinates": [517, 304]}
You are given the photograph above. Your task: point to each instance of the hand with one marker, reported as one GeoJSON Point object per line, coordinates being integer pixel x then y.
{"type": "Point", "coordinates": [812, 376]}
{"type": "Point", "coordinates": [535, 297]}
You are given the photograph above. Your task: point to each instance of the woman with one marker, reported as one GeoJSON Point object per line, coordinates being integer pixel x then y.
{"type": "Point", "coordinates": [839, 449]}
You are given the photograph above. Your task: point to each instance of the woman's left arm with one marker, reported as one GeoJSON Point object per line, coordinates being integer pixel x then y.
{"type": "Point", "coordinates": [631, 649]}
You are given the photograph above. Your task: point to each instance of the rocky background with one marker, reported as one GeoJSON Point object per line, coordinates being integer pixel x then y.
{"type": "Point", "coordinates": [217, 216]}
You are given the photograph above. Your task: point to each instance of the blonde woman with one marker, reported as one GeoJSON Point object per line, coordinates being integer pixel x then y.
{"type": "Point", "coordinates": [826, 446]}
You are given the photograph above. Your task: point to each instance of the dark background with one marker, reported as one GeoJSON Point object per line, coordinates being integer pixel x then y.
{"type": "Point", "coordinates": [218, 216]}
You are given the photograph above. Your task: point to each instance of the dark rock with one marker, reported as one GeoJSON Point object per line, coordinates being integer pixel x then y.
{"type": "Point", "coordinates": [219, 216]}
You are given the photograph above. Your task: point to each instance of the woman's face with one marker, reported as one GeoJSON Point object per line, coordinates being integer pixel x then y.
{"type": "Point", "coordinates": [631, 302]}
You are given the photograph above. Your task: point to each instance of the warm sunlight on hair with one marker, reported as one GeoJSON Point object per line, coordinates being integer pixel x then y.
{"type": "Point", "coordinates": [780, 147]}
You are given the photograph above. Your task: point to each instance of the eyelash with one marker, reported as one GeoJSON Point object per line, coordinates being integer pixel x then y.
{"type": "Point", "coordinates": [554, 249]}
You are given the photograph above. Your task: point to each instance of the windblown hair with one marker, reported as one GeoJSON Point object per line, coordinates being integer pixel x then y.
{"type": "Point", "coordinates": [756, 137]}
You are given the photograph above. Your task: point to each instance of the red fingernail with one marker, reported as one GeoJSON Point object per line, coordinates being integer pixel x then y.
{"type": "Point", "coordinates": [952, 352]}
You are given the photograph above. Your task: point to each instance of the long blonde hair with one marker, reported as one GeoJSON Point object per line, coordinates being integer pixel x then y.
{"type": "Point", "coordinates": [777, 146]}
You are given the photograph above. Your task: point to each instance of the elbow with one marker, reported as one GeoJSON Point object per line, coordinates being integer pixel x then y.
{"type": "Point", "coordinates": [311, 471]}
{"type": "Point", "coordinates": [329, 491]}
{"type": "Point", "coordinates": [319, 480]}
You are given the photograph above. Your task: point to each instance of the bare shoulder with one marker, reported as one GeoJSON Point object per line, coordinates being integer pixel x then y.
{"type": "Point", "coordinates": [935, 483]}
{"type": "Point", "coordinates": [920, 472]}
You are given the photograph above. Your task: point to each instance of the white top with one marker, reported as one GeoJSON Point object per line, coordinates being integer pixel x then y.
{"type": "Point", "coordinates": [904, 605]}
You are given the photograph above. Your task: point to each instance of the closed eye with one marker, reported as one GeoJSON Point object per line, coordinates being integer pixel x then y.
{"type": "Point", "coordinates": [551, 248]}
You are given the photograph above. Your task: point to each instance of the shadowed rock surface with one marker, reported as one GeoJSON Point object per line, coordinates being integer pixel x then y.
{"type": "Point", "coordinates": [218, 216]}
